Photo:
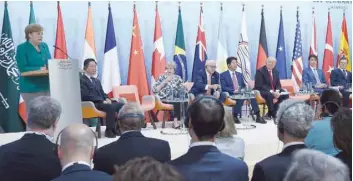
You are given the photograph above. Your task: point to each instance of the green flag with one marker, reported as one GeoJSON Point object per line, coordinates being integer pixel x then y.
{"type": "Point", "coordinates": [10, 120]}
{"type": "Point", "coordinates": [179, 51]}
{"type": "Point", "coordinates": [32, 18]}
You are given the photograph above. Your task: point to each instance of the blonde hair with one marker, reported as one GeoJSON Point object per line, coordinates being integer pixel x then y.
{"type": "Point", "coordinates": [229, 127]}
{"type": "Point", "coordinates": [32, 28]}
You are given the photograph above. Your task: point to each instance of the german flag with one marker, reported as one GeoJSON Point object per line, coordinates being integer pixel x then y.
{"type": "Point", "coordinates": [262, 52]}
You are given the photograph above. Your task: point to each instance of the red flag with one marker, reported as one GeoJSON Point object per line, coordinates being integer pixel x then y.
{"type": "Point", "coordinates": [344, 45]}
{"type": "Point", "coordinates": [262, 50]}
{"type": "Point", "coordinates": [60, 41]}
{"type": "Point", "coordinates": [158, 58]}
{"type": "Point", "coordinates": [327, 65]}
{"type": "Point", "coordinates": [313, 49]}
{"type": "Point", "coordinates": [137, 69]}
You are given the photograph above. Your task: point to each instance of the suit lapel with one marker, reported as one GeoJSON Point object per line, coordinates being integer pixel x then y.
{"type": "Point", "coordinates": [230, 80]}
{"type": "Point", "coordinates": [267, 75]}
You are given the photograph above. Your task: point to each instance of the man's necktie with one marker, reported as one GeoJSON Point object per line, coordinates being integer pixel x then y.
{"type": "Point", "coordinates": [271, 79]}
{"type": "Point", "coordinates": [235, 82]}
{"type": "Point", "coordinates": [345, 74]}
{"type": "Point", "coordinates": [316, 75]}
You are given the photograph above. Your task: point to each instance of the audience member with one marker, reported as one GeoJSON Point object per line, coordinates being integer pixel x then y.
{"type": "Point", "coordinates": [226, 141]}
{"type": "Point", "coordinates": [294, 121]}
{"type": "Point", "coordinates": [320, 136]}
{"type": "Point", "coordinates": [341, 124]}
{"type": "Point", "coordinates": [131, 144]}
{"type": "Point", "coordinates": [204, 161]}
{"type": "Point", "coordinates": [76, 152]}
{"type": "Point", "coordinates": [312, 165]}
{"type": "Point", "coordinates": [146, 169]}
{"type": "Point", "coordinates": [32, 157]}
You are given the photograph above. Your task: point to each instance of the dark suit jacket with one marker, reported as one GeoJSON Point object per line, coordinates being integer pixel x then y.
{"type": "Point", "coordinates": [338, 78]}
{"type": "Point", "coordinates": [201, 82]}
{"type": "Point", "coordinates": [129, 146]}
{"type": "Point", "coordinates": [30, 158]}
{"type": "Point", "coordinates": [208, 163]}
{"type": "Point", "coordinates": [79, 172]}
{"type": "Point", "coordinates": [92, 90]}
{"type": "Point", "coordinates": [346, 159]}
{"type": "Point", "coordinates": [274, 168]}
{"type": "Point", "coordinates": [227, 82]}
{"type": "Point", "coordinates": [309, 77]}
{"type": "Point", "coordinates": [263, 81]}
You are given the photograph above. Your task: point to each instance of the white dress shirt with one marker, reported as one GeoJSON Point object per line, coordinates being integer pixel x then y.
{"type": "Point", "coordinates": [202, 143]}
{"type": "Point", "coordinates": [78, 162]}
{"type": "Point", "coordinates": [293, 143]}
{"type": "Point", "coordinates": [51, 139]}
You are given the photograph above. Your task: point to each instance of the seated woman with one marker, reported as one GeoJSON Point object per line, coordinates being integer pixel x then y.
{"type": "Point", "coordinates": [341, 124]}
{"type": "Point", "coordinates": [320, 136]}
{"type": "Point", "coordinates": [166, 86]}
{"type": "Point", "coordinates": [226, 141]}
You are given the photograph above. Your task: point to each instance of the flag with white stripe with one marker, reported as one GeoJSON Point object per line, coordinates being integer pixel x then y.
{"type": "Point", "coordinates": [297, 60]}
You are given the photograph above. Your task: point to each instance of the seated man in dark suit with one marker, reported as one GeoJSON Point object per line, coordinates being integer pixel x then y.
{"type": "Point", "coordinates": [77, 146]}
{"type": "Point", "coordinates": [232, 82]}
{"type": "Point", "coordinates": [268, 83]}
{"type": "Point", "coordinates": [131, 144]}
{"type": "Point", "coordinates": [341, 77]}
{"type": "Point", "coordinates": [91, 90]}
{"type": "Point", "coordinates": [294, 122]}
{"type": "Point", "coordinates": [314, 75]}
{"type": "Point", "coordinates": [204, 161]}
{"type": "Point", "coordinates": [32, 157]}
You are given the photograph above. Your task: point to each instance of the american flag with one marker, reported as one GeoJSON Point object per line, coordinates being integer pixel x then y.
{"type": "Point", "coordinates": [297, 60]}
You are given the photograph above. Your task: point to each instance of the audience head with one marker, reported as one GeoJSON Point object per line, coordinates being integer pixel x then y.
{"type": "Point", "coordinates": [131, 117]}
{"type": "Point", "coordinates": [341, 124]}
{"type": "Point", "coordinates": [211, 66]}
{"type": "Point", "coordinates": [271, 63]}
{"type": "Point", "coordinates": [146, 169]}
{"type": "Point", "coordinates": [294, 120]}
{"type": "Point", "coordinates": [343, 62]}
{"type": "Point", "coordinates": [229, 127]}
{"type": "Point", "coordinates": [76, 144]}
{"type": "Point", "coordinates": [170, 68]}
{"type": "Point", "coordinates": [232, 63]}
{"type": "Point", "coordinates": [206, 116]}
{"type": "Point", "coordinates": [43, 115]}
{"type": "Point", "coordinates": [312, 165]}
{"type": "Point", "coordinates": [330, 101]}
{"type": "Point", "coordinates": [312, 60]}
{"type": "Point", "coordinates": [34, 33]}
{"type": "Point", "coordinates": [90, 66]}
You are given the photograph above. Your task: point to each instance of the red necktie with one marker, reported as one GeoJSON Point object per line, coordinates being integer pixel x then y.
{"type": "Point", "coordinates": [271, 79]}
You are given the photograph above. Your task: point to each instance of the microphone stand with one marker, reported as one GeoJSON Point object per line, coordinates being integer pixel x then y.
{"type": "Point", "coordinates": [55, 47]}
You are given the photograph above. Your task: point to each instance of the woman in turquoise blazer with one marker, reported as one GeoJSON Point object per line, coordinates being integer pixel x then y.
{"type": "Point", "coordinates": [33, 55]}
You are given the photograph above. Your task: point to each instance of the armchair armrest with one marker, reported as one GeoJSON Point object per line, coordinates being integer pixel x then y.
{"type": "Point", "coordinates": [89, 110]}
{"type": "Point", "coordinates": [148, 103]}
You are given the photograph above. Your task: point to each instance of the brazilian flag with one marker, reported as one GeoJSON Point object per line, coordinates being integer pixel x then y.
{"type": "Point", "coordinates": [32, 18]}
{"type": "Point", "coordinates": [179, 52]}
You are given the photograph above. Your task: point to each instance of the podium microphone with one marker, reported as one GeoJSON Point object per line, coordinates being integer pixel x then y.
{"type": "Point", "coordinates": [62, 51]}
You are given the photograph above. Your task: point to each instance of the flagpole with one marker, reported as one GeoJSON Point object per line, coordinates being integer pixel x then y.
{"type": "Point", "coordinates": [156, 5]}
{"type": "Point", "coordinates": [243, 7]}
{"type": "Point", "coordinates": [89, 3]}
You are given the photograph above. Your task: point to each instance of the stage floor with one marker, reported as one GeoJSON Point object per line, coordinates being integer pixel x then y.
{"type": "Point", "coordinates": [260, 142]}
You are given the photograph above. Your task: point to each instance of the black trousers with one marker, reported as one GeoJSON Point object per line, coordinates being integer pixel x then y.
{"type": "Point", "coordinates": [272, 108]}
{"type": "Point", "coordinates": [110, 110]}
{"type": "Point", "coordinates": [177, 107]}
{"type": "Point", "coordinates": [345, 95]}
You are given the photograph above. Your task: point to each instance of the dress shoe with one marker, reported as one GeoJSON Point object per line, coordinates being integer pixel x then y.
{"type": "Point", "coordinates": [236, 120]}
{"type": "Point", "coordinates": [260, 120]}
{"type": "Point", "coordinates": [109, 133]}
{"type": "Point", "coordinates": [267, 117]}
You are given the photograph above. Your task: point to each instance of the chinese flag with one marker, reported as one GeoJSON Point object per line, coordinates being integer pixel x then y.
{"type": "Point", "coordinates": [137, 69]}
{"type": "Point", "coordinates": [60, 41]}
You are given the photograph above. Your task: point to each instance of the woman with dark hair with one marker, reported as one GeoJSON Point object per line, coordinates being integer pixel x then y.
{"type": "Point", "coordinates": [341, 124]}
{"type": "Point", "coordinates": [320, 135]}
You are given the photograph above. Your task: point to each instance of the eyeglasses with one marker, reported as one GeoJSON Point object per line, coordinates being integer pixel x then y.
{"type": "Point", "coordinates": [212, 66]}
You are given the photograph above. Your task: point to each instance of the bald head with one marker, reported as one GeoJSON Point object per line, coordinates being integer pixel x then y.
{"type": "Point", "coordinates": [76, 141]}
{"type": "Point", "coordinates": [271, 63]}
{"type": "Point", "coordinates": [211, 66]}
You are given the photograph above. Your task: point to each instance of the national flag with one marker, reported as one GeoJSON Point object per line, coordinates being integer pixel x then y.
{"type": "Point", "coordinates": [262, 52]}
{"type": "Point", "coordinates": [10, 120]}
{"type": "Point", "coordinates": [60, 40]}
{"type": "Point", "coordinates": [158, 57]}
{"type": "Point", "coordinates": [179, 51]}
{"type": "Point", "coordinates": [281, 64]}
{"type": "Point", "coordinates": [200, 49]}
{"type": "Point", "coordinates": [327, 64]}
{"type": "Point", "coordinates": [344, 45]}
{"type": "Point", "coordinates": [111, 70]}
{"type": "Point", "coordinates": [243, 51]}
{"type": "Point", "coordinates": [137, 69]}
{"type": "Point", "coordinates": [32, 17]}
{"type": "Point", "coordinates": [222, 53]}
{"type": "Point", "coordinates": [313, 48]}
{"type": "Point", "coordinates": [89, 49]}
{"type": "Point", "coordinates": [297, 62]}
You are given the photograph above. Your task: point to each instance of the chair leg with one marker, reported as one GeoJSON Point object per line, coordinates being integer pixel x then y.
{"type": "Point", "coordinates": [98, 128]}
{"type": "Point", "coordinates": [152, 120]}
{"type": "Point", "coordinates": [164, 117]}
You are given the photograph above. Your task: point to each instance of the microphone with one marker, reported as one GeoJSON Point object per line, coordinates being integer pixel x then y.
{"type": "Point", "coordinates": [62, 51]}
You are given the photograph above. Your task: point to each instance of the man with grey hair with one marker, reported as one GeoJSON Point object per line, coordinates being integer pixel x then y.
{"type": "Point", "coordinates": [312, 165]}
{"type": "Point", "coordinates": [131, 144]}
{"type": "Point", "coordinates": [294, 121]}
{"type": "Point", "coordinates": [32, 157]}
{"type": "Point", "coordinates": [77, 144]}
{"type": "Point", "coordinates": [267, 81]}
